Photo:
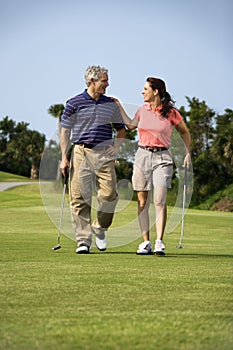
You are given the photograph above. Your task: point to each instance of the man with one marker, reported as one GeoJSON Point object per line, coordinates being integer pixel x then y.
{"type": "Point", "coordinates": [91, 116]}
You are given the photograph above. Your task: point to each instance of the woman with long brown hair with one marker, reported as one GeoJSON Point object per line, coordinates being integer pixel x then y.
{"type": "Point", "coordinates": [153, 167]}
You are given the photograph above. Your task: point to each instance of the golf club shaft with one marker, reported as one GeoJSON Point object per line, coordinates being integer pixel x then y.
{"type": "Point", "coordinates": [61, 215]}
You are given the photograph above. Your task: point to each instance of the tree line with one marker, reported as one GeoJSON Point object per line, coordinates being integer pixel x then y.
{"type": "Point", "coordinates": [21, 149]}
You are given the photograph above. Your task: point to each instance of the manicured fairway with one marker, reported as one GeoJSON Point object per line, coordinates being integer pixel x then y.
{"type": "Point", "coordinates": [114, 300]}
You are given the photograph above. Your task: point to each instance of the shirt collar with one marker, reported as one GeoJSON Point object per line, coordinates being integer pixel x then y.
{"type": "Point", "coordinates": [88, 97]}
{"type": "Point", "coordinates": [157, 109]}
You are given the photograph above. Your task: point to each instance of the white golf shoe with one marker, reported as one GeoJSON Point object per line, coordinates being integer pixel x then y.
{"type": "Point", "coordinates": [145, 248]}
{"type": "Point", "coordinates": [82, 249]}
{"type": "Point", "coordinates": [159, 248]}
{"type": "Point", "coordinates": [100, 238]}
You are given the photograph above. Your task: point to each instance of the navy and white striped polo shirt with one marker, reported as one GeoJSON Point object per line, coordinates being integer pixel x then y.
{"type": "Point", "coordinates": [91, 121]}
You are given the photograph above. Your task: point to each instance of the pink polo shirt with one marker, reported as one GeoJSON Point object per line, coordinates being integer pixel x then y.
{"type": "Point", "coordinates": [155, 130]}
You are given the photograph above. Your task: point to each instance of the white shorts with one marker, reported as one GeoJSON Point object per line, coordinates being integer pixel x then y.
{"type": "Point", "coordinates": [152, 169]}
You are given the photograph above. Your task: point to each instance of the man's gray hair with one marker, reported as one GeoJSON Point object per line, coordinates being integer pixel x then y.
{"type": "Point", "coordinates": [93, 72]}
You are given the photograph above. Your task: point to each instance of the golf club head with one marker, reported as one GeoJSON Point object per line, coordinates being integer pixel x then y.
{"type": "Point", "coordinates": [179, 246]}
{"type": "Point", "coordinates": [57, 247]}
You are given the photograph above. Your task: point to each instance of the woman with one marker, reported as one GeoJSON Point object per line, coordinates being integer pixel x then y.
{"type": "Point", "coordinates": [153, 162]}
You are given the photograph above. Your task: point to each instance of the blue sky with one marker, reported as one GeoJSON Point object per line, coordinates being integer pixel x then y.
{"type": "Point", "coordinates": [47, 45]}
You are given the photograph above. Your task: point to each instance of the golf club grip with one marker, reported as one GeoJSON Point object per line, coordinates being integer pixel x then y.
{"type": "Point", "coordinates": [185, 175]}
{"type": "Point", "coordinates": [66, 177]}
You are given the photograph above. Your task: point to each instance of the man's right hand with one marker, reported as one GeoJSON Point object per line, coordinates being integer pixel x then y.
{"type": "Point", "coordinates": [64, 166]}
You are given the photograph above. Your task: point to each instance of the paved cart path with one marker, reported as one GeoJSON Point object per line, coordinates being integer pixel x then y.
{"type": "Point", "coordinates": [6, 185]}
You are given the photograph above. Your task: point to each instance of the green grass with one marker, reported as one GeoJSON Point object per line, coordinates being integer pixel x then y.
{"type": "Point", "coordinates": [12, 177]}
{"type": "Point", "coordinates": [113, 300]}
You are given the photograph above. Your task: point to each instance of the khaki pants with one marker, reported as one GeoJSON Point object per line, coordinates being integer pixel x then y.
{"type": "Point", "coordinates": [91, 167]}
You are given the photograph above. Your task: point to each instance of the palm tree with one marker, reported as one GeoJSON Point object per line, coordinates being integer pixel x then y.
{"type": "Point", "coordinates": [56, 111]}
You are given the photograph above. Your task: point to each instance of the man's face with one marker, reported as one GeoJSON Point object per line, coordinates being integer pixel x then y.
{"type": "Point", "coordinates": [101, 84]}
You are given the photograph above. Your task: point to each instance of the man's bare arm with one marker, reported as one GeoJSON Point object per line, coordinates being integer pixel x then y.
{"type": "Point", "coordinates": [64, 144]}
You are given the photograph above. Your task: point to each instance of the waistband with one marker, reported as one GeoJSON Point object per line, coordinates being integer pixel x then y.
{"type": "Point", "coordinates": [154, 149]}
{"type": "Point", "coordinates": [90, 146]}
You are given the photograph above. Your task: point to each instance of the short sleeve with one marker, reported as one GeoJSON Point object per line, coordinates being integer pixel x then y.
{"type": "Point", "coordinates": [175, 117]}
{"type": "Point", "coordinates": [69, 116]}
{"type": "Point", "coordinates": [117, 118]}
{"type": "Point", "coordinates": [137, 114]}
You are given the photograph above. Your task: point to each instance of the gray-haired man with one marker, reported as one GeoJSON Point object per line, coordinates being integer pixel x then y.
{"type": "Point", "coordinates": [91, 117]}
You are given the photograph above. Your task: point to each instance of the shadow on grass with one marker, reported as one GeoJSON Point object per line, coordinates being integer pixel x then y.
{"type": "Point", "coordinates": [198, 255]}
{"type": "Point", "coordinates": [181, 255]}
{"type": "Point", "coordinates": [168, 255]}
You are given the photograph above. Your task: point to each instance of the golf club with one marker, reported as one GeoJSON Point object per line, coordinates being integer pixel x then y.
{"type": "Point", "coordinates": [58, 246]}
{"type": "Point", "coordinates": [179, 246]}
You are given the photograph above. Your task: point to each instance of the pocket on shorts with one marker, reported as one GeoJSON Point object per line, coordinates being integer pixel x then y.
{"type": "Point", "coordinates": [166, 168]}
{"type": "Point", "coordinates": [166, 158]}
{"type": "Point", "coordinates": [142, 171]}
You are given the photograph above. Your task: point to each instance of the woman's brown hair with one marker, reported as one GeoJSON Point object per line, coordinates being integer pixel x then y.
{"type": "Point", "coordinates": [166, 99]}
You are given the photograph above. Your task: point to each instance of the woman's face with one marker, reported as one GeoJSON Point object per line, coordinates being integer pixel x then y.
{"type": "Point", "coordinates": [148, 93]}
